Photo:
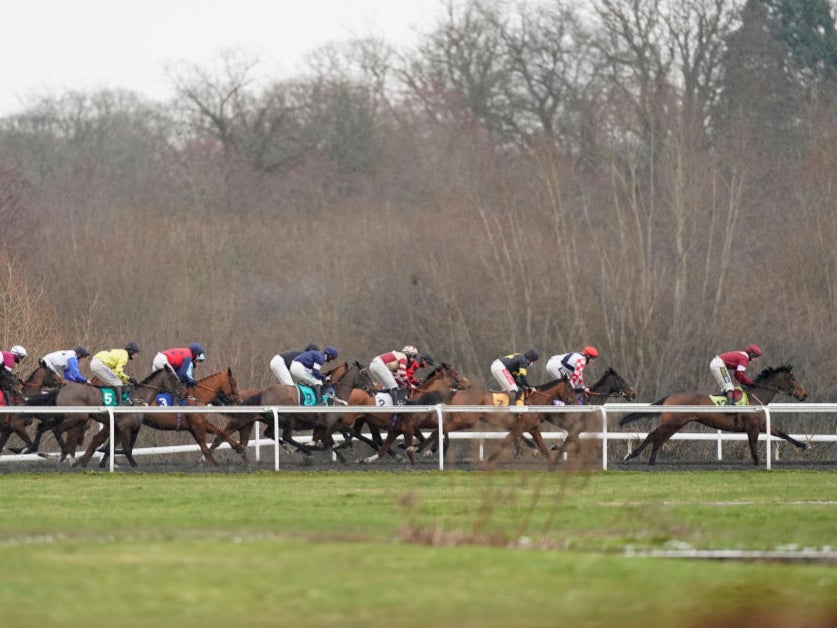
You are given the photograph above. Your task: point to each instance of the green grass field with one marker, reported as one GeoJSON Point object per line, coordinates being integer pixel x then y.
{"type": "Point", "coordinates": [413, 549]}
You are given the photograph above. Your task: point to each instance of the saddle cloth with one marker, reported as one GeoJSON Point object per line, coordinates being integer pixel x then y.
{"type": "Point", "coordinates": [738, 396]}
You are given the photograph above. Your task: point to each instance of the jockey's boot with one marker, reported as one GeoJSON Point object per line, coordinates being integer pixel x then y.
{"type": "Point", "coordinates": [513, 397]}
{"type": "Point", "coordinates": [730, 398]}
{"type": "Point", "coordinates": [318, 394]}
{"type": "Point", "coordinates": [117, 393]}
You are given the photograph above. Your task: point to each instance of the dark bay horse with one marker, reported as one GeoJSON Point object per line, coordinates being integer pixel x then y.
{"type": "Point", "coordinates": [769, 382]}
{"type": "Point", "coordinates": [219, 388]}
{"type": "Point", "coordinates": [282, 395]}
{"type": "Point", "coordinates": [515, 423]}
{"type": "Point", "coordinates": [610, 384]}
{"type": "Point", "coordinates": [442, 378]}
{"type": "Point", "coordinates": [42, 377]}
{"type": "Point", "coordinates": [75, 394]}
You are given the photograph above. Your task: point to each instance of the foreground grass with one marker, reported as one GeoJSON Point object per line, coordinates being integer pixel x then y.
{"type": "Point", "coordinates": [409, 549]}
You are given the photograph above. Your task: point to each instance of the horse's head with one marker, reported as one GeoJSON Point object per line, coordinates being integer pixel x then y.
{"type": "Point", "coordinates": [42, 377]}
{"type": "Point", "coordinates": [781, 379]}
{"type": "Point", "coordinates": [224, 387]}
{"type": "Point", "coordinates": [611, 383]}
{"type": "Point", "coordinates": [457, 381]}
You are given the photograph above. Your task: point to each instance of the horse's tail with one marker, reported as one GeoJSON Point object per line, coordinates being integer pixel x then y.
{"type": "Point", "coordinates": [635, 416]}
{"type": "Point", "coordinates": [43, 399]}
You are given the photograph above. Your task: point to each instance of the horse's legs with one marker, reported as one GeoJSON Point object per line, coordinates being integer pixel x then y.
{"type": "Point", "coordinates": [209, 427]}
{"type": "Point", "coordinates": [98, 438]}
{"type": "Point", "coordinates": [197, 429]}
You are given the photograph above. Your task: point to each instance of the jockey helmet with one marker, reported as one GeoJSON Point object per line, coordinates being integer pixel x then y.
{"type": "Point", "coordinates": [312, 347]}
{"type": "Point", "coordinates": [410, 350]}
{"type": "Point", "coordinates": [330, 352]}
{"type": "Point", "coordinates": [532, 355]}
{"type": "Point", "coordinates": [590, 352]}
{"type": "Point", "coordinates": [755, 350]}
{"type": "Point", "coordinates": [132, 348]}
{"type": "Point", "coordinates": [428, 358]}
{"type": "Point", "coordinates": [197, 350]}
{"type": "Point", "coordinates": [81, 352]}
{"type": "Point", "coordinates": [18, 351]}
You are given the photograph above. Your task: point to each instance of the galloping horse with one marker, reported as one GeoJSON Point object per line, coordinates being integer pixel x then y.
{"type": "Point", "coordinates": [442, 378]}
{"type": "Point", "coordinates": [610, 384]}
{"type": "Point", "coordinates": [75, 394]}
{"type": "Point", "coordinates": [42, 377]}
{"type": "Point", "coordinates": [281, 395]}
{"type": "Point", "coordinates": [516, 423]}
{"type": "Point", "coordinates": [769, 382]}
{"type": "Point", "coordinates": [219, 388]}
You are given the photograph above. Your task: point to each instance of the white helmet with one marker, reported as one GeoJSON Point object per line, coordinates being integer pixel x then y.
{"type": "Point", "coordinates": [410, 350]}
{"type": "Point", "coordinates": [19, 351]}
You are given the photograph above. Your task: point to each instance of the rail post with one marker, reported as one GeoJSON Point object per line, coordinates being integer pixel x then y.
{"type": "Point", "coordinates": [275, 439]}
{"type": "Point", "coordinates": [440, 430]}
{"type": "Point", "coordinates": [111, 424]}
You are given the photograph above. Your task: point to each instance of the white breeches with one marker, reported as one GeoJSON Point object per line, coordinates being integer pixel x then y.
{"type": "Point", "coordinates": [302, 374]}
{"type": "Point", "coordinates": [160, 361]}
{"type": "Point", "coordinates": [381, 374]}
{"type": "Point", "coordinates": [555, 368]}
{"type": "Point", "coordinates": [503, 377]}
{"type": "Point", "coordinates": [280, 370]}
{"type": "Point", "coordinates": [721, 374]}
{"type": "Point", "coordinates": [104, 373]}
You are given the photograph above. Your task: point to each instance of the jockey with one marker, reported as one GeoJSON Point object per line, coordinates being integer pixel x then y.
{"type": "Point", "coordinates": [9, 380]}
{"type": "Point", "coordinates": [109, 367]}
{"type": "Point", "coordinates": [281, 362]}
{"type": "Point", "coordinates": [737, 361]}
{"type": "Point", "coordinates": [65, 364]}
{"type": "Point", "coordinates": [570, 366]}
{"type": "Point", "coordinates": [12, 357]}
{"type": "Point", "coordinates": [307, 368]}
{"type": "Point", "coordinates": [423, 361]}
{"type": "Point", "coordinates": [181, 360]}
{"type": "Point", "coordinates": [510, 372]}
{"type": "Point", "coordinates": [390, 371]}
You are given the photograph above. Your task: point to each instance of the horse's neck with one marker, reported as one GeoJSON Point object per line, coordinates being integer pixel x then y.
{"type": "Point", "coordinates": [205, 391]}
{"type": "Point", "coordinates": [146, 391]}
{"type": "Point", "coordinates": [762, 395]}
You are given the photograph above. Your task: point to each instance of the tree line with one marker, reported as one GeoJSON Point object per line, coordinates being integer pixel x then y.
{"type": "Point", "coordinates": [652, 177]}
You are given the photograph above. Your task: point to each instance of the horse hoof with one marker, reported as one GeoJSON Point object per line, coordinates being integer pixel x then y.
{"type": "Point", "coordinates": [627, 456]}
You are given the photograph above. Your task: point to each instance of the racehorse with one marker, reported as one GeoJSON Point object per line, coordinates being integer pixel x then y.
{"type": "Point", "coordinates": [442, 378]}
{"type": "Point", "coordinates": [769, 382]}
{"type": "Point", "coordinates": [75, 394]}
{"type": "Point", "coordinates": [282, 395]}
{"type": "Point", "coordinates": [42, 377]}
{"type": "Point", "coordinates": [516, 423]}
{"type": "Point", "coordinates": [610, 384]}
{"type": "Point", "coordinates": [219, 388]}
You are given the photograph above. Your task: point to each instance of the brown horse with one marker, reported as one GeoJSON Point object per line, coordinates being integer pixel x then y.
{"type": "Point", "coordinates": [766, 385]}
{"type": "Point", "coordinates": [282, 395]}
{"type": "Point", "coordinates": [610, 384]}
{"type": "Point", "coordinates": [42, 377]}
{"type": "Point", "coordinates": [515, 423]}
{"type": "Point", "coordinates": [219, 388]}
{"type": "Point", "coordinates": [442, 378]}
{"type": "Point", "coordinates": [75, 394]}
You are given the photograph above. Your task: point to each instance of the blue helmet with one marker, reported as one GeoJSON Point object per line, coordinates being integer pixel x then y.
{"type": "Point", "coordinates": [197, 350]}
{"type": "Point", "coordinates": [330, 352]}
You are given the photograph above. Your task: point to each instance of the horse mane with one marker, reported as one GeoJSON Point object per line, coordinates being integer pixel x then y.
{"type": "Point", "coordinates": [154, 373]}
{"type": "Point", "coordinates": [549, 384]}
{"type": "Point", "coordinates": [214, 374]}
{"type": "Point", "coordinates": [770, 371]}
{"type": "Point", "coordinates": [608, 372]}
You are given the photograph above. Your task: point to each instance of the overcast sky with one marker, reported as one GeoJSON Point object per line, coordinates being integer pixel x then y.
{"type": "Point", "coordinates": [51, 46]}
